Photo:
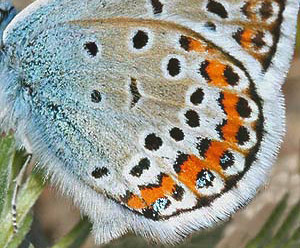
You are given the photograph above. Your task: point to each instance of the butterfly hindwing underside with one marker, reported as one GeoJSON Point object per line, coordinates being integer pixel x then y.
{"type": "Point", "coordinates": [153, 114]}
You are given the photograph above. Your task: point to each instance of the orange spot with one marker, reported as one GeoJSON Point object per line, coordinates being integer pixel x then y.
{"type": "Point", "coordinates": [189, 172]}
{"type": "Point", "coordinates": [213, 155]}
{"type": "Point", "coordinates": [197, 46]}
{"type": "Point", "coordinates": [230, 102]}
{"type": "Point", "coordinates": [215, 71]}
{"type": "Point", "coordinates": [150, 195]}
{"type": "Point", "coordinates": [246, 39]}
{"type": "Point", "coordinates": [136, 202]}
{"type": "Point", "coordinates": [234, 121]}
{"type": "Point", "coordinates": [230, 130]}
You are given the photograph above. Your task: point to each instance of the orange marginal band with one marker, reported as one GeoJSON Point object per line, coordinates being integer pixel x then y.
{"type": "Point", "coordinates": [215, 70]}
{"type": "Point", "coordinates": [150, 195]}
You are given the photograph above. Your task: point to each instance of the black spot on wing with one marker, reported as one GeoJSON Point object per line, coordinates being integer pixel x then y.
{"type": "Point", "coordinates": [91, 48]}
{"type": "Point", "coordinates": [151, 214]}
{"type": "Point", "coordinates": [178, 193]}
{"type": "Point", "coordinates": [205, 179]}
{"type": "Point", "coordinates": [177, 134]}
{"type": "Point", "coordinates": [153, 142]}
{"type": "Point", "coordinates": [192, 118]}
{"type": "Point", "coordinates": [243, 135]}
{"type": "Point", "coordinates": [140, 39]}
{"type": "Point", "coordinates": [243, 108]}
{"type": "Point", "coordinates": [96, 96]}
{"type": "Point", "coordinates": [100, 172]}
{"type": "Point", "coordinates": [157, 7]}
{"type": "Point", "coordinates": [226, 160]}
{"type": "Point", "coordinates": [197, 97]}
{"type": "Point", "coordinates": [217, 8]}
{"type": "Point", "coordinates": [138, 170]}
{"type": "Point", "coordinates": [174, 67]}
{"type": "Point", "coordinates": [136, 96]}
{"type": "Point", "coordinates": [232, 77]}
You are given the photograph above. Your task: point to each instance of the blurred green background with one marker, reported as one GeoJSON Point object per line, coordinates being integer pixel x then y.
{"type": "Point", "coordinates": [268, 221]}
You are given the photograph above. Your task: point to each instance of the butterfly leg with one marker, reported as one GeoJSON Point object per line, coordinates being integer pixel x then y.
{"type": "Point", "coordinates": [18, 182]}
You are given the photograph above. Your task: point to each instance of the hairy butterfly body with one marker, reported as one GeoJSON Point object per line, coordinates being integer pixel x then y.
{"type": "Point", "coordinates": [158, 117]}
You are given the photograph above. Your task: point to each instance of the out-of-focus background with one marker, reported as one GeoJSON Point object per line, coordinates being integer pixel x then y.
{"type": "Point", "coordinates": [55, 216]}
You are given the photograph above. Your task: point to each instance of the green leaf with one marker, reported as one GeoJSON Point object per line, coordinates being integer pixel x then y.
{"type": "Point", "coordinates": [76, 237]}
{"type": "Point", "coordinates": [27, 196]}
{"type": "Point", "coordinates": [294, 241]}
{"type": "Point", "coordinates": [7, 152]}
{"type": "Point", "coordinates": [286, 229]}
{"type": "Point", "coordinates": [267, 231]}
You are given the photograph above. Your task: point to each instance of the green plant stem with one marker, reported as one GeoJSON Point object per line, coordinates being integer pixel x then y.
{"type": "Point", "coordinates": [266, 233]}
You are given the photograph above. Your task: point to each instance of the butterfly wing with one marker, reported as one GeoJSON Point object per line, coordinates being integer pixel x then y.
{"type": "Point", "coordinates": [256, 32]}
{"type": "Point", "coordinates": [145, 118]}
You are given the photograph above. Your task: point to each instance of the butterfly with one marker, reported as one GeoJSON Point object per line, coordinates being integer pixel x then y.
{"type": "Point", "coordinates": [157, 117]}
